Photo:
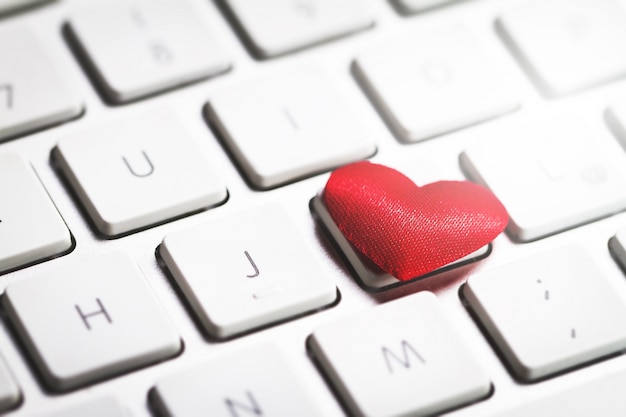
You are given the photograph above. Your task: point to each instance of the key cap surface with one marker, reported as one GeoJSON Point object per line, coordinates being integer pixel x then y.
{"type": "Point", "coordinates": [34, 92]}
{"type": "Point", "coordinates": [548, 313]}
{"type": "Point", "coordinates": [401, 358]}
{"type": "Point", "coordinates": [285, 128]}
{"type": "Point", "coordinates": [567, 45]}
{"type": "Point", "coordinates": [107, 311]}
{"type": "Point", "coordinates": [245, 271]}
{"type": "Point", "coordinates": [31, 228]}
{"type": "Point", "coordinates": [104, 407]}
{"type": "Point", "coordinates": [142, 47]}
{"type": "Point", "coordinates": [266, 22]}
{"type": "Point", "coordinates": [255, 382]}
{"type": "Point", "coordinates": [433, 81]}
{"type": "Point", "coordinates": [599, 397]}
{"type": "Point", "coordinates": [551, 175]}
{"type": "Point", "coordinates": [137, 172]}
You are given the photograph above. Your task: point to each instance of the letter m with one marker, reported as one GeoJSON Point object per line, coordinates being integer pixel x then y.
{"type": "Point", "coordinates": [404, 358]}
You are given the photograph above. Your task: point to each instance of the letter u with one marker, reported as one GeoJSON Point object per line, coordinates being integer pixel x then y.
{"type": "Point", "coordinates": [147, 173]}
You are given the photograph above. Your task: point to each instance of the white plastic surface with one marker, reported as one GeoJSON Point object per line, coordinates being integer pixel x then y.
{"type": "Point", "coordinates": [549, 313]}
{"type": "Point", "coordinates": [253, 382]}
{"type": "Point", "coordinates": [431, 82]}
{"type": "Point", "coordinates": [278, 26]}
{"type": "Point", "coordinates": [133, 173]}
{"type": "Point", "coordinates": [402, 358]}
{"type": "Point", "coordinates": [285, 128]}
{"type": "Point", "coordinates": [104, 307]}
{"type": "Point", "coordinates": [236, 280]}
{"type": "Point", "coordinates": [34, 91]}
{"type": "Point", "coordinates": [31, 228]}
{"type": "Point", "coordinates": [551, 174]}
{"type": "Point", "coordinates": [142, 47]}
{"type": "Point", "coordinates": [568, 45]}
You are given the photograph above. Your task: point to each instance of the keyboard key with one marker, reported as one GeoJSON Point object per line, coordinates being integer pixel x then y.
{"type": "Point", "coordinates": [142, 47]}
{"type": "Point", "coordinates": [599, 397]}
{"type": "Point", "coordinates": [433, 82]}
{"type": "Point", "coordinates": [567, 45]}
{"type": "Point", "coordinates": [148, 163]}
{"type": "Point", "coordinates": [33, 92]}
{"type": "Point", "coordinates": [105, 319]}
{"type": "Point", "coordinates": [401, 358]}
{"type": "Point", "coordinates": [283, 129]}
{"type": "Point", "coordinates": [572, 172]}
{"type": "Point", "coordinates": [416, 6]}
{"type": "Point", "coordinates": [548, 313]}
{"type": "Point", "coordinates": [31, 228]}
{"type": "Point", "coordinates": [256, 382]}
{"type": "Point", "coordinates": [10, 395]}
{"type": "Point", "coordinates": [368, 275]}
{"type": "Point", "coordinates": [105, 407]}
{"type": "Point", "coordinates": [246, 271]}
{"type": "Point", "coordinates": [265, 22]}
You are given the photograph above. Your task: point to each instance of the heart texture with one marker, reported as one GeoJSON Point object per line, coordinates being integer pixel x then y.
{"type": "Point", "coordinates": [407, 230]}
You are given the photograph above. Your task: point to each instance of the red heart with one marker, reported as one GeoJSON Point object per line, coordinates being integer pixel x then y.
{"type": "Point", "coordinates": [408, 230]}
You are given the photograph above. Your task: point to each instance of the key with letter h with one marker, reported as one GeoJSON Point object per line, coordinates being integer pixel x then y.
{"type": "Point", "coordinates": [112, 331]}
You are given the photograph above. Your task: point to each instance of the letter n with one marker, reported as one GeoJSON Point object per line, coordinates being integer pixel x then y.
{"type": "Point", "coordinates": [241, 409]}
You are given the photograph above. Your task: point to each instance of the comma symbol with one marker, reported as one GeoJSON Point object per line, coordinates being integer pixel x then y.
{"type": "Point", "coordinates": [546, 294]}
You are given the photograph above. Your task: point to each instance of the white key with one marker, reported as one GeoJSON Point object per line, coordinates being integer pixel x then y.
{"type": "Point", "coordinates": [432, 82]}
{"type": "Point", "coordinates": [552, 175]}
{"type": "Point", "coordinates": [256, 382]}
{"type": "Point", "coordinates": [307, 22]}
{"type": "Point", "coordinates": [10, 395]}
{"type": "Point", "coordinates": [236, 281]}
{"type": "Point", "coordinates": [283, 129]}
{"type": "Point", "coordinates": [11, 6]}
{"type": "Point", "coordinates": [33, 92]}
{"type": "Point", "coordinates": [31, 228]}
{"type": "Point", "coordinates": [148, 163]}
{"type": "Point", "coordinates": [142, 47]}
{"type": "Point", "coordinates": [401, 358]}
{"type": "Point", "coordinates": [568, 45]}
{"type": "Point", "coordinates": [549, 313]}
{"type": "Point", "coordinates": [104, 407]}
{"type": "Point", "coordinates": [368, 275]}
{"type": "Point", "coordinates": [105, 320]}
{"type": "Point", "coordinates": [416, 6]}
{"type": "Point", "coordinates": [596, 397]}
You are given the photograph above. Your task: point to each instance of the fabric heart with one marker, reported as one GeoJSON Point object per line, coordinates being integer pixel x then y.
{"type": "Point", "coordinates": [407, 230]}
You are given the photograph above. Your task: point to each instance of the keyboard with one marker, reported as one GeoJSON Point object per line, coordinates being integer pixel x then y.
{"type": "Point", "coordinates": [165, 249]}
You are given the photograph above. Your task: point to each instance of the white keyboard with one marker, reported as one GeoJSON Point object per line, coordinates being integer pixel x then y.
{"type": "Point", "coordinates": [164, 250]}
